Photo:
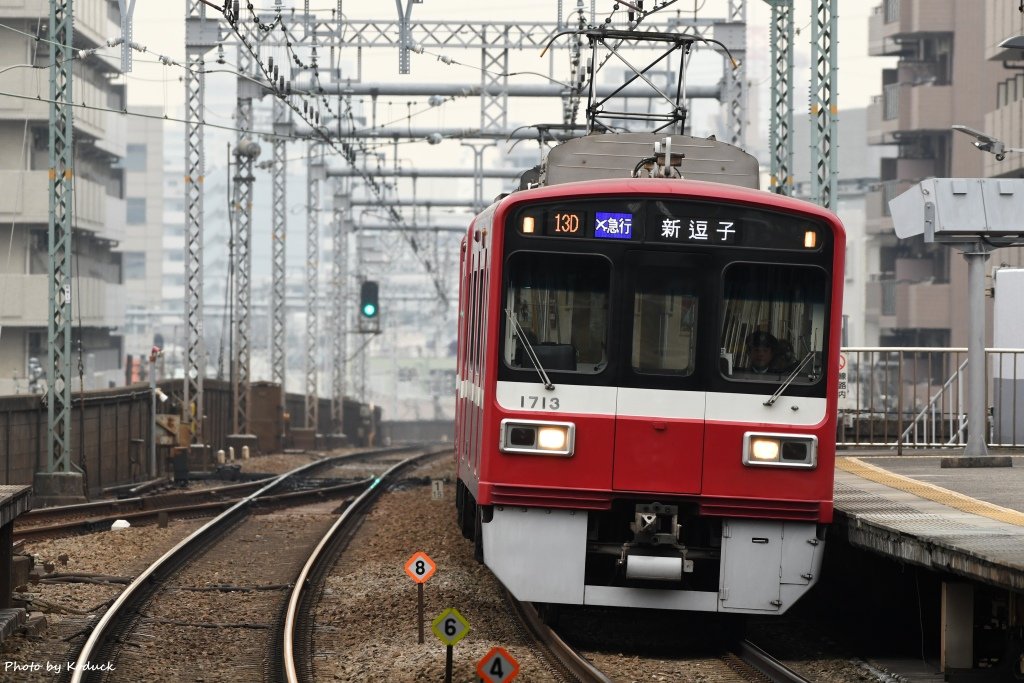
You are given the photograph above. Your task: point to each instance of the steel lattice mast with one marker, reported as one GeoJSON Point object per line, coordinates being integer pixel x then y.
{"type": "Point", "coordinates": [200, 36]}
{"type": "Point", "coordinates": [278, 236]}
{"type": "Point", "coordinates": [315, 173]}
{"type": "Point", "coordinates": [736, 76]}
{"type": "Point", "coordinates": [58, 369]}
{"type": "Point", "coordinates": [339, 302]}
{"type": "Point", "coordinates": [781, 126]}
{"type": "Point", "coordinates": [246, 150]}
{"type": "Point", "coordinates": [824, 104]}
{"type": "Point", "coordinates": [494, 79]}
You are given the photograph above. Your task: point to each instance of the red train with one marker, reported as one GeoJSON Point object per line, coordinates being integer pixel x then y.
{"type": "Point", "coordinates": [647, 380]}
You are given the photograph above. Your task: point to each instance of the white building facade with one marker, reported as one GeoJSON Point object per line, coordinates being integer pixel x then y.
{"type": "Point", "coordinates": [98, 209]}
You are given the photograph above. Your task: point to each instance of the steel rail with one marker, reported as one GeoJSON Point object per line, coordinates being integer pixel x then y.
{"type": "Point", "coordinates": [141, 588]}
{"type": "Point", "coordinates": [775, 670]}
{"type": "Point", "coordinates": [321, 555]}
{"type": "Point", "coordinates": [570, 662]}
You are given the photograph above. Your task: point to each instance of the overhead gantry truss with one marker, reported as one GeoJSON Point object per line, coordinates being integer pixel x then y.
{"type": "Point", "coordinates": [495, 40]}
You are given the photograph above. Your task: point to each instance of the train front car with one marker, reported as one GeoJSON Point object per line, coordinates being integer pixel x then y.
{"type": "Point", "coordinates": [647, 393]}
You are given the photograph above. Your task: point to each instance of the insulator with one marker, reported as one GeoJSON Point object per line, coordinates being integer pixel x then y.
{"type": "Point", "coordinates": [270, 62]}
{"type": "Point", "coordinates": [281, 86]}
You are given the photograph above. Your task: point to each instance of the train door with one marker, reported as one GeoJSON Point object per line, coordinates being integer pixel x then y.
{"type": "Point", "coordinates": [659, 425]}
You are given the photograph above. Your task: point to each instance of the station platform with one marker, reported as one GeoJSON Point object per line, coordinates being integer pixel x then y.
{"type": "Point", "coordinates": [14, 500]}
{"type": "Point", "coordinates": [966, 520]}
{"type": "Point", "coordinates": [966, 524]}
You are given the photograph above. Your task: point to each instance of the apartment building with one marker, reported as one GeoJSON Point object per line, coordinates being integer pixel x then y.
{"type": "Point", "coordinates": [1005, 121]}
{"type": "Point", "coordinates": [948, 73]}
{"type": "Point", "coordinates": [98, 208]}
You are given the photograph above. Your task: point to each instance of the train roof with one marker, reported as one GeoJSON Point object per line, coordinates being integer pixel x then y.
{"type": "Point", "coordinates": [619, 155]}
{"type": "Point", "coordinates": [697, 189]}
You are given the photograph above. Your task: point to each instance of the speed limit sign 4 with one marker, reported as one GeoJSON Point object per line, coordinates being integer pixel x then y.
{"type": "Point", "coordinates": [497, 666]}
{"type": "Point", "coordinates": [420, 567]}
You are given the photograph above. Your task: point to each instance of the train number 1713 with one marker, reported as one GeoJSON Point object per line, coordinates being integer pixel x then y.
{"type": "Point", "coordinates": [538, 402]}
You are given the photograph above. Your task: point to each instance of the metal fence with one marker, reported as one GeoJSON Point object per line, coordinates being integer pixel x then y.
{"type": "Point", "coordinates": [916, 397]}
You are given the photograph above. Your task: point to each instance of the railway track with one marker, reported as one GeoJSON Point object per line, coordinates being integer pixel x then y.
{"type": "Point", "coordinates": [743, 661]}
{"type": "Point", "coordinates": [361, 613]}
{"type": "Point", "coordinates": [240, 596]}
{"type": "Point", "coordinates": [51, 522]}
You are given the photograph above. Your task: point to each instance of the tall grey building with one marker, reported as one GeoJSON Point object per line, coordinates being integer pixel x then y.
{"type": "Point", "coordinates": [945, 75]}
{"type": "Point", "coordinates": [142, 247]}
{"type": "Point", "coordinates": [98, 208]}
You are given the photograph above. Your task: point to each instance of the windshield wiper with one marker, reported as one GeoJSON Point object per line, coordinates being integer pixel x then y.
{"type": "Point", "coordinates": [789, 380]}
{"type": "Point", "coordinates": [521, 335]}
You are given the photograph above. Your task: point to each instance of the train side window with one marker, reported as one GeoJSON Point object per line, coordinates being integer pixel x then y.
{"type": "Point", "coordinates": [664, 322]}
{"type": "Point", "coordinates": [774, 320]}
{"type": "Point", "coordinates": [561, 301]}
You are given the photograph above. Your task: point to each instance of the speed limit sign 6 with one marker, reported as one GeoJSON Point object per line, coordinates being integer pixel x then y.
{"type": "Point", "coordinates": [450, 627]}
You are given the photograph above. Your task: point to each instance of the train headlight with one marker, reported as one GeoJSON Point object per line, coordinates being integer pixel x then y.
{"type": "Point", "coordinates": [780, 450]}
{"type": "Point", "coordinates": [537, 437]}
{"type": "Point", "coordinates": [763, 449]}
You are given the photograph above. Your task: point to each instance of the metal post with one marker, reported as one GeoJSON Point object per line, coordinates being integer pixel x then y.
{"type": "Point", "coordinates": [152, 418]}
{"type": "Point", "coordinates": [478, 178]}
{"type": "Point", "coordinates": [977, 422]}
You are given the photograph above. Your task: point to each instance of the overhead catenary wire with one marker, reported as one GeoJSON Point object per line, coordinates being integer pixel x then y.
{"type": "Point", "coordinates": [348, 152]}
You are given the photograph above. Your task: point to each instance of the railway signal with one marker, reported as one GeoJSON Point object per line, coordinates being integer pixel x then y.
{"type": "Point", "coordinates": [369, 306]}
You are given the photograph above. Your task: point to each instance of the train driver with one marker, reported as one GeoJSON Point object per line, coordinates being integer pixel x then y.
{"type": "Point", "coordinates": [762, 348]}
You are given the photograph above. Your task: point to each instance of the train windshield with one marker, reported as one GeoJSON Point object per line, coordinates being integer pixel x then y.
{"type": "Point", "coordinates": [561, 301]}
{"type": "Point", "coordinates": [773, 322]}
{"type": "Point", "coordinates": [664, 321]}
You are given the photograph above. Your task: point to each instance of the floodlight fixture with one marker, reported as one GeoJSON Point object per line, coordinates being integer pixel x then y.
{"type": "Point", "coordinates": [986, 143]}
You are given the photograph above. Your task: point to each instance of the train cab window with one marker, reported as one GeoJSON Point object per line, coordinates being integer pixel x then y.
{"type": "Point", "coordinates": [664, 322]}
{"type": "Point", "coordinates": [561, 303]}
{"type": "Point", "coordinates": [774, 322]}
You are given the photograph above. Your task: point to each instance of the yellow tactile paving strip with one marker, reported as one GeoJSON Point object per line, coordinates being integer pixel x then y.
{"type": "Point", "coordinates": [930, 491]}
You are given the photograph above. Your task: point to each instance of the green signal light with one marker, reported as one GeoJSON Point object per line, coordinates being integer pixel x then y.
{"type": "Point", "coordinates": [368, 303]}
